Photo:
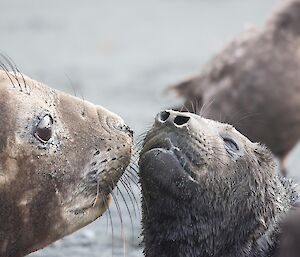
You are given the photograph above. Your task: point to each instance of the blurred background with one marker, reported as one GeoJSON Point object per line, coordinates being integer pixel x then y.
{"type": "Point", "coordinates": [121, 54]}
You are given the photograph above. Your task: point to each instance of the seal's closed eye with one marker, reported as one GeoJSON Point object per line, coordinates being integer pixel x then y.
{"type": "Point", "coordinates": [230, 145]}
{"type": "Point", "coordinates": [44, 129]}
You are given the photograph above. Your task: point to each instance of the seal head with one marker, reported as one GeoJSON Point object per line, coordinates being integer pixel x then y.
{"type": "Point", "coordinates": [208, 191]}
{"type": "Point", "coordinates": [60, 157]}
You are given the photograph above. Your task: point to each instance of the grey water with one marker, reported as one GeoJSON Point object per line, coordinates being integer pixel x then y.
{"type": "Point", "coordinates": [123, 55]}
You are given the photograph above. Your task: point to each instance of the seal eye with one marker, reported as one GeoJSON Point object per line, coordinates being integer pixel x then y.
{"type": "Point", "coordinates": [231, 145]}
{"type": "Point", "coordinates": [44, 129]}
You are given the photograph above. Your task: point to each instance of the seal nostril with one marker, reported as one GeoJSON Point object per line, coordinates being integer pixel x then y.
{"type": "Point", "coordinates": [181, 120]}
{"type": "Point", "coordinates": [164, 115]}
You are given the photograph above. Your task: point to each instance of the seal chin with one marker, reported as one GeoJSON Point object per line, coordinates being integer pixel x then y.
{"type": "Point", "coordinates": [74, 219]}
{"type": "Point", "coordinates": [165, 167]}
{"type": "Point", "coordinates": [97, 207]}
{"type": "Point", "coordinates": [161, 170]}
{"type": "Point", "coordinates": [80, 216]}
{"type": "Point", "coordinates": [168, 146]}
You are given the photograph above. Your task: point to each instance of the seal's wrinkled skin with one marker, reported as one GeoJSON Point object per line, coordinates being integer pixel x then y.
{"type": "Point", "coordinates": [254, 83]}
{"type": "Point", "coordinates": [209, 191]}
{"type": "Point", "coordinates": [60, 157]}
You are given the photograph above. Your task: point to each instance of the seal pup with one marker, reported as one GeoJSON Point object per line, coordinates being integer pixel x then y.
{"type": "Point", "coordinates": [60, 158]}
{"type": "Point", "coordinates": [208, 191]}
{"type": "Point", "coordinates": [254, 83]}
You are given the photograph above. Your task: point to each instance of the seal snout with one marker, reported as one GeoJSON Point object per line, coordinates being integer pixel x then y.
{"type": "Point", "coordinates": [119, 125]}
{"type": "Point", "coordinates": [174, 118]}
{"type": "Point", "coordinates": [174, 131]}
{"type": "Point", "coordinates": [113, 122]}
{"type": "Point", "coordinates": [124, 128]}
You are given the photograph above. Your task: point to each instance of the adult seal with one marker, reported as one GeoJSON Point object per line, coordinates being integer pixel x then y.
{"type": "Point", "coordinates": [254, 83]}
{"type": "Point", "coordinates": [209, 191]}
{"type": "Point", "coordinates": [60, 157]}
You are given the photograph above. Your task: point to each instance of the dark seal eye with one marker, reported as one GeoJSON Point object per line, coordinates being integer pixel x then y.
{"type": "Point", "coordinates": [44, 129]}
{"type": "Point", "coordinates": [231, 145]}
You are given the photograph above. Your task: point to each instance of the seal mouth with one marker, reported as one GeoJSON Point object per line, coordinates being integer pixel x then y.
{"type": "Point", "coordinates": [171, 144]}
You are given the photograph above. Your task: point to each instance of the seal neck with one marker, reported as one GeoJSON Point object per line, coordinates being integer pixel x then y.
{"type": "Point", "coordinates": [212, 228]}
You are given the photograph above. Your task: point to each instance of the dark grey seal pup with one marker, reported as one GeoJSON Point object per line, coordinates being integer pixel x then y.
{"type": "Point", "coordinates": [60, 158]}
{"type": "Point", "coordinates": [254, 83]}
{"type": "Point", "coordinates": [208, 191]}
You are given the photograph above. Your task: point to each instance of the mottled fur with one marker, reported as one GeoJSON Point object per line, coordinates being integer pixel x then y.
{"type": "Point", "coordinates": [49, 190]}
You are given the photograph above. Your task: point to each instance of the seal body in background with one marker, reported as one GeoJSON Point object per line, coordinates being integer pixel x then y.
{"type": "Point", "coordinates": [254, 83]}
{"type": "Point", "coordinates": [207, 190]}
{"type": "Point", "coordinates": [60, 157]}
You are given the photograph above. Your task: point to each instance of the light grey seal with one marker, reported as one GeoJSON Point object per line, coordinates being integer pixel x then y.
{"type": "Point", "coordinates": [60, 157]}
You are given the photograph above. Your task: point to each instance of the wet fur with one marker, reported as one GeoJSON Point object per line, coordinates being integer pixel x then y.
{"type": "Point", "coordinates": [231, 209]}
{"type": "Point", "coordinates": [49, 190]}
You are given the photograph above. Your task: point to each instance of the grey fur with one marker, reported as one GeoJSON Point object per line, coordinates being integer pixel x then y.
{"type": "Point", "coordinates": [200, 199]}
{"type": "Point", "coordinates": [254, 83]}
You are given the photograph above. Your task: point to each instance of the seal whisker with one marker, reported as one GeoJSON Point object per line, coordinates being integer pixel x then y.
{"type": "Point", "coordinates": [234, 116]}
{"type": "Point", "coordinates": [236, 119]}
{"type": "Point", "coordinates": [193, 108]}
{"type": "Point", "coordinates": [134, 161]}
{"type": "Point", "coordinates": [181, 108]}
{"type": "Point", "coordinates": [13, 68]}
{"type": "Point", "coordinates": [24, 82]}
{"type": "Point", "coordinates": [130, 194]}
{"type": "Point", "coordinates": [128, 210]}
{"type": "Point", "coordinates": [134, 164]}
{"type": "Point", "coordinates": [83, 103]}
{"type": "Point", "coordinates": [107, 207]}
{"type": "Point", "coordinates": [7, 73]}
{"type": "Point", "coordinates": [139, 143]}
{"type": "Point", "coordinates": [97, 194]}
{"type": "Point", "coordinates": [133, 176]}
{"type": "Point", "coordinates": [197, 105]}
{"type": "Point", "coordinates": [133, 168]}
{"type": "Point", "coordinates": [133, 180]}
{"type": "Point", "coordinates": [128, 185]}
{"type": "Point", "coordinates": [112, 231]}
{"type": "Point", "coordinates": [142, 136]}
{"type": "Point", "coordinates": [71, 84]}
{"type": "Point", "coordinates": [16, 71]}
{"type": "Point", "coordinates": [120, 217]}
{"type": "Point", "coordinates": [133, 171]}
{"type": "Point", "coordinates": [185, 107]}
{"type": "Point", "coordinates": [118, 208]}
{"type": "Point", "coordinates": [206, 106]}
{"type": "Point", "coordinates": [135, 154]}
